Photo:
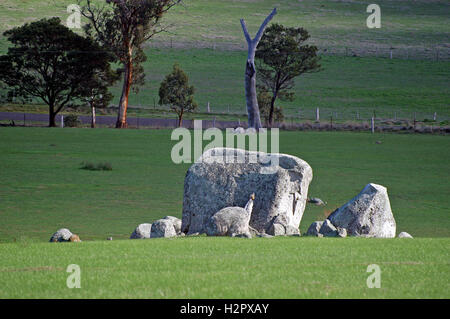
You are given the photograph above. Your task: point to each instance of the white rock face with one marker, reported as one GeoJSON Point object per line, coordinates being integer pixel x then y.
{"type": "Point", "coordinates": [215, 183]}
{"type": "Point", "coordinates": [404, 234]}
{"type": "Point", "coordinates": [163, 228]}
{"type": "Point", "coordinates": [368, 214]}
{"type": "Point", "coordinates": [142, 232]}
{"type": "Point", "coordinates": [61, 235]}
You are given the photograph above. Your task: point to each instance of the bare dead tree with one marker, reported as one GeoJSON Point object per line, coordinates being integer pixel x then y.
{"type": "Point", "coordinates": [254, 119]}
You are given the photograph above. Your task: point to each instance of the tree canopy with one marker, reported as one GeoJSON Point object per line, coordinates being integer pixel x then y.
{"type": "Point", "coordinates": [122, 26]}
{"type": "Point", "coordinates": [176, 92]}
{"type": "Point", "coordinates": [50, 62]}
{"type": "Point", "coordinates": [281, 56]}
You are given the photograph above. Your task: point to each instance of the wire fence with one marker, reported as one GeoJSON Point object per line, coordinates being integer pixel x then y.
{"type": "Point", "coordinates": [438, 52]}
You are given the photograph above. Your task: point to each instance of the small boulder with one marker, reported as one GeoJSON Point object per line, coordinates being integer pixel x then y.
{"type": "Point", "coordinates": [368, 214]}
{"type": "Point", "coordinates": [64, 235]}
{"type": "Point", "coordinates": [229, 221]}
{"type": "Point", "coordinates": [142, 232]}
{"type": "Point", "coordinates": [314, 229]}
{"type": "Point", "coordinates": [277, 230]}
{"type": "Point", "coordinates": [163, 228]}
{"type": "Point", "coordinates": [404, 234]}
{"type": "Point", "coordinates": [176, 223]}
{"type": "Point", "coordinates": [328, 229]}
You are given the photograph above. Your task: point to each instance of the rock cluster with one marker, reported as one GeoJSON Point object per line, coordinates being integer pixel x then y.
{"type": "Point", "coordinates": [367, 215]}
{"type": "Point", "coordinates": [166, 227]}
{"type": "Point", "coordinates": [225, 177]}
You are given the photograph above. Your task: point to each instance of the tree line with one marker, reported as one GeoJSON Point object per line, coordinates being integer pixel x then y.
{"type": "Point", "coordinates": [50, 62]}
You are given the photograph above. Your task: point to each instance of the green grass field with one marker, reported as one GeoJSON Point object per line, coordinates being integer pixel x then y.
{"type": "Point", "coordinates": [206, 267]}
{"type": "Point", "coordinates": [346, 85]}
{"type": "Point", "coordinates": [203, 23]}
{"type": "Point", "coordinates": [44, 189]}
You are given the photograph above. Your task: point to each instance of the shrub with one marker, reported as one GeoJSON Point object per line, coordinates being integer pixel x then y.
{"type": "Point", "coordinates": [102, 166]}
{"type": "Point", "coordinates": [72, 121]}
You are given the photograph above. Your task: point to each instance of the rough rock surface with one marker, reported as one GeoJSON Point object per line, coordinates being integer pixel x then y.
{"type": "Point", "coordinates": [215, 183]}
{"type": "Point", "coordinates": [229, 221]}
{"type": "Point", "coordinates": [404, 234]}
{"type": "Point", "coordinates": [163, 228]}
{"type": "Point", "coordinates": [342, 232]}
{"type": "Point", "coordinates": [64, 235]}
{"type": "Point", "coordinates": [281, 227]}
{"type": "Point", "coordinates": [328, 229]}
{"type": "Point", "coordinates": [277, 230]}
{"type": "Point", "coordinates": [142, 232]}
{"type": "Point", "coordinates": [314, 228]}
{"type": "Point", "coordinates": [368, 214]}
{"type": "Point", "coordinates": [176, 223]}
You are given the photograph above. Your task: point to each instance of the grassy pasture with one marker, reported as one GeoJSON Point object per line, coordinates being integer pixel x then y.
{"type": "Point", "coordinates": [346, 85]}
{"type": "Point", "coordinates": [44, 189]}
{"type": "Point", "coordinates": [203, 23]}
{"type": "Point", "coordinates": [204, 267]}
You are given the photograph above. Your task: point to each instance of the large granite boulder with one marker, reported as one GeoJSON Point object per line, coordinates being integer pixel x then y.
{"type": "Point", "coordinates": [142, 232]}
{"type": "Point", "coordinates": [163, 228]}
{"type": "Point", "coordinates": [368, 214]}
{"type": "Point", "coordinates": [226, 177]}
{"type": "Point", "coordinates": [64, 235]}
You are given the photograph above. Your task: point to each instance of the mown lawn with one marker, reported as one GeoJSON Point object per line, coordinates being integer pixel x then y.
{"type": "Point", "coordinates": [206, 267]}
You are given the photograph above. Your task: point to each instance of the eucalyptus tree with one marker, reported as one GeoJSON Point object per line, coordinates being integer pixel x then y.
{"type": "Point", "coordinates": [122, 27]}
{"type": "Point", "coordinates": [281, 56]}
{"type": "Point", "coordinates": [50, 62]}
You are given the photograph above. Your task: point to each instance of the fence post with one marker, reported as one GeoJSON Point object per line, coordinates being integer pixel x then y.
{"type": "Point", "coordinates": [317, 115]}
{"type": "Point", "coordinates": [357, 115]}
{"type": "Point", "coordinates": [62, 120]}
{"type": "Point", "coordinates": [373, 125]}
{"type": "Point", "coordinates": [434, 116]}
{"type": "Point", "coordinates": [391, 53]}
{"type": "Point", "coordinates": [209, 110]}
{"type": "Point", "coordinates": [395, 116]}
{"type": "Point", "coordinates": [214, 122]}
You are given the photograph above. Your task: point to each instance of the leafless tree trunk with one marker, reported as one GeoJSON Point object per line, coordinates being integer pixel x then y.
{"type": "Point", "coordinates": [254, 119]}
